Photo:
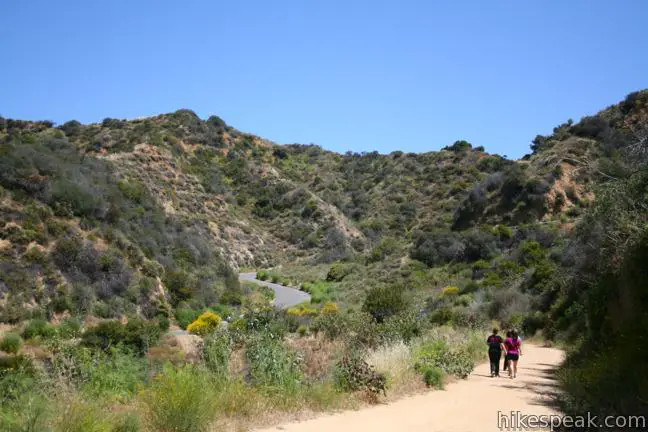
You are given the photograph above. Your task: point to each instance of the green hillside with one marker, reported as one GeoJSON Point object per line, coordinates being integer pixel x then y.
{"type": "Point", "coordinates": [139, 215]}
{"type": "Point", "coordinates": [112, 232]}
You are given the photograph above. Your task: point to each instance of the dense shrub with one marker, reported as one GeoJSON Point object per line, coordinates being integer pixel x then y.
{"type": "Point", "coordinates": [104, 335]}
{"type": "Point", "coordinates": [30, 412]}
{"type": "Point", "coordinates": [128, 422]}
{"type": "Point", "coordinates": [403, 326]}
{"type": "Point", "coordinates": [437, 248]}
{"type": "Point", "coordinates": [452, 361]}
{"type": "Point", "coordinates": [136, 334]}
{"type": "Point", "coordinates": [332, 326]}
{"type": "Point", "coordinates": [232, 296]}
{"type": "Point", "coordinates": [113, 374]}
{"type": "Point", "coordinates": [433, 377]}
{"type": "Point", "coordinates": [272, 365]}
{"type": "Point", "coordinates": [206, 323]}
{"type": "Point", "coordinates": [491, 164]}
{"type": "Point", "coordinates": [441, 315]}
{"type": "Point", "coordinates": [181, 400]}
{"type": "Point", "coordinates": [479, 245]}
{"type": "Point", "coordinates": [381, 302]}
{"type": "Point", "coordinates": [186, 316]}
{"type": "Point", "coordinates": [17, 377]}
{"type": "Point", "coordinates": [591, 127]}
{"type": "Point", "coordinates": [459, 146]}
{"type": "Point", "coordinates": [352, 373]}
{"type": "Point", "coordinates": [450, 291]}
{"type": "Point", "coordinates": [262, 275]}
{"type": "Point", "coordinates": [11, 343]}
{"type": "Point", "coordinates": [180, 285]}
{"type": "Point", "coordinates": [337, 272]}
{"type": "Point", "coordinates": [470, 287]}
{"type": "Point", "coordinates": [590, 384]}
{"type": "Point", "coordinates": [303, 311]}
{"type": "Point", "coordinates": [84, 416]}
{"type": "Point", "coordinates": [320, 291]}
{"type": "Point", "coordinates": [39, 328]}
{"type": "Point", "coordinates": [330, 308]}
{"type": "Point", "coordinates": [471, 208]}
{"type": "Point", "coordinates": [356, 328]}
{"type": "Point", "coordinates": [531, 252]}
{"type": "Point", "coordinates": [267, 320]}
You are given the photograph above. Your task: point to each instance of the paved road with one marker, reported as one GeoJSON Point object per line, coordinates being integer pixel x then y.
{"type": "Point", "coordinates": [285, 297]}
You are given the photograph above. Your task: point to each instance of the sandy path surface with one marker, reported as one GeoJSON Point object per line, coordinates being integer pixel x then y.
{"type": "Point", "coordinates": [470, 405]}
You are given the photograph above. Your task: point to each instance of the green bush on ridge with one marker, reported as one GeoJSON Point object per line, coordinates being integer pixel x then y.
{"type": "Point", "coordinates": [39, 328]}
{"type": "Point", "coordinates": [136, 334]}
{"type": "Point", "coordinates": [11, 343]}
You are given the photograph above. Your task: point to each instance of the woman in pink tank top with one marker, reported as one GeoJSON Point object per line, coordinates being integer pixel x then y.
{"type": "Point", "coordinates": [513, 346]}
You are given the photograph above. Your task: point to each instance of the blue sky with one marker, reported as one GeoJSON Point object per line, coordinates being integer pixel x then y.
{"type": "Point", "coordinates": [347, 75]}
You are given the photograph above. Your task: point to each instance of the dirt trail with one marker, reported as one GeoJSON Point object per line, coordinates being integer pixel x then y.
{"type": "Point", "coordinates": [470, 405]}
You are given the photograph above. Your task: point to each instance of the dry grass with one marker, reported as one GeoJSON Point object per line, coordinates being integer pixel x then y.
{"type": "Point", "coordinates": [36, 352]}
{"type": "Point", "coordinates": [318, 354]}
{"type": "Point", "coordinates": [191, 345]}
{"type": "Point", "coordinates": [395, 361]}
{"type": "Point", "coordinates": [5, 328]}
{"type": "Point", "coordinates": [237, 364]}
{"type": "Point", "coordinates": [391, 359]}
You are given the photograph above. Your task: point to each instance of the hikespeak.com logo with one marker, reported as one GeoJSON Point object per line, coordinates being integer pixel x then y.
{"type": "Point", "coordinates": [519, 421]}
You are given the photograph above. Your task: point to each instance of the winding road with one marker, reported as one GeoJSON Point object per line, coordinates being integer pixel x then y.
{"type": "Point", "coordinates": [285, 297]}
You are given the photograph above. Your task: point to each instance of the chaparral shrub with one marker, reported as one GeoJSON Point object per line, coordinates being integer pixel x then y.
{"type": "Point", "coordinates": [11, 343]}
{"type": "Point", "coordinates": [352, 373]}
{"type": "Point", "coordinates": [206, 323]}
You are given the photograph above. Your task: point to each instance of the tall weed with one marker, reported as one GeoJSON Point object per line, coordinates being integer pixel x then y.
{"type": "Point", "coordinates": [29, 413]}
{"type": "Point", "coordinates": [272, 365]}
{"type": "Point", "coordinates": [83, 416]}
{"type": "Point", "coordinates": [216, 353]}
{"type": "Point", "coordinates": [180, 400]}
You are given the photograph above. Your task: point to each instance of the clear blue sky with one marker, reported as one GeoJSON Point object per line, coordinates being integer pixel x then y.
{"type": "Point", "coordinates": [347, 75]}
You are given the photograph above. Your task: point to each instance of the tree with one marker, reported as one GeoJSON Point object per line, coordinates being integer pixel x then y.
{"type": "Point", "coordinates": [459, 146]}
{"type": "Point", "coordinates": [383, 302]}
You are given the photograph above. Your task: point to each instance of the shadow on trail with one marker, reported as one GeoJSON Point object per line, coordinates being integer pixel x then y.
{"type": "Point", "coordinates": [480, 375]}
{"type": "Point", "coordinates": [548, 390]}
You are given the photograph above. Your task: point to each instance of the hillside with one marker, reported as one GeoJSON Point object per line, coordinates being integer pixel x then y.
{"type": "Point", "coordinates": [151, 212]}
{"type": "Point", "coordinates": [112, 232]}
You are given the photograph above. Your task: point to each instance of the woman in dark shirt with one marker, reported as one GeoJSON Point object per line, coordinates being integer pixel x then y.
{"type": "Point", "coordinates": [494, 343]}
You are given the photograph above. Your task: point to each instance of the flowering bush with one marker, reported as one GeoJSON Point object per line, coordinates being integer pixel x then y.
{"type": "Point", "coordinates": [205, 323]}
{"type": "Point", "coordinates": [330, 308]}
{"type": "Point", "coordinates": [302, 311]}
{"type": "Point", "coordinates": [450, 291]}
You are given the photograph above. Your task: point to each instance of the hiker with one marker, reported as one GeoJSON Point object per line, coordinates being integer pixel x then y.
{"type": "Point", "coordinates": [495, 345]}
{"type": "Point", "coordinates": [518, 335]}
{"type": "Point", "coordinates": [506, 360]}
{"type": "Point", "coordinates": [513, 346]}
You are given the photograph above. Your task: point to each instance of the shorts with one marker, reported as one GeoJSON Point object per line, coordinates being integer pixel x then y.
{"type": "Point", "coordinates": [514, 357]}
